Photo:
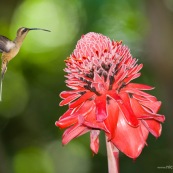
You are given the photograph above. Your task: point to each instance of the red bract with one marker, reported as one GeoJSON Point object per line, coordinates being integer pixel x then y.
{"type": "Point", "coordinates": [99, 72]}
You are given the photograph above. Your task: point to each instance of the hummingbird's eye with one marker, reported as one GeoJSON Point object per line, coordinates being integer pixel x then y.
{"type": "Point", "coordinates": [24, 30]}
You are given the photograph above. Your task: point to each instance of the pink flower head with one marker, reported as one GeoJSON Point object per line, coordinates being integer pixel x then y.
{"type": "Point", "coordinates": [99, 72]}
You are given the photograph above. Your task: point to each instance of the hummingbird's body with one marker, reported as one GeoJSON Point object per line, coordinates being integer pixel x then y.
{"type": "Point", "coordinates": [10, 49]}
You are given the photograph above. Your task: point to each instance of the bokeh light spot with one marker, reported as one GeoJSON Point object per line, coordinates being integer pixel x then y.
{"type": "Point", "coordinates": [14, 94]}
{"type": "Point", "coordinates": [61, 18]}
{"type": "Point", "coordinates": [32, 160]}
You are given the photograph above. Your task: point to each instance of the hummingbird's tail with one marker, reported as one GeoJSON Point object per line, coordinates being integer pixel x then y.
{"type": "Point", "coordinates": [1, 91]}
{"type": "Point", "coordinates": [3, 70]}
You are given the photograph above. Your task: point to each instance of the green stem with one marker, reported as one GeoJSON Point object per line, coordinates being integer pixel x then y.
{"type": "Point", "coordinates": [113, 157]}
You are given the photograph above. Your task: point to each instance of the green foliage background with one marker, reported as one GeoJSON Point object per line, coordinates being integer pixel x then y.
{"type": "Point", "coordinates": [29, 140]}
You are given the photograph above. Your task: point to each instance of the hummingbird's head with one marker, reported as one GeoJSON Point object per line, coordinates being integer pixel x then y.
{"type": "Point", "coordinates": [22, 32]}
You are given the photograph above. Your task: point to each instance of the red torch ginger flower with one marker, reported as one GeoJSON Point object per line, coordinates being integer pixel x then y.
{"type": "Point", "coordinates": [99, 72]}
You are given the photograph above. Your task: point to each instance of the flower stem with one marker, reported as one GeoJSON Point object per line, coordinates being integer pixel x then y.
{"type": "Point", "coordinates": [113, 157]}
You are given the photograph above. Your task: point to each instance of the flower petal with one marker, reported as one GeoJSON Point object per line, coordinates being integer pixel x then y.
{"type": "Point", "coordinates": [69, 99]}
{"type": "Point", "coordinates": [112, 94]}
{"type": "Point", "coordinates": [127, 110]}
{"type": "Point", "coordinates": [83, 98]}
{"type": "Point", "coordinates": [135, 69]}
{"type": "Point", "coordinates": [98, 83]}
{"type": "Point", "coordinates": [128, 139]}
{"type": "Point", "coordinates": [131, 77]}
{"type": "Point", "coordinates": [91, 122]}
{"type": "Point", "coordinates": [138, 92]}
{"type": "Point", "coordinates": [94, 140]}
{"type": "Point", "coordinates": [119, 77]}
{"type": "Point", "coordinates": [143, 113]}
{"type": "Point", "coordinates": [75, 115]}
{"type": "Point", "coordinates": [154, 127]}
{"type": "Point", "coordinates": [140, 98]}
{"type": "Point", "coordinates": [101, 108]}
{"type": "Point", "coordinates": [66, 116]}
{"type": "Point", "coordinates": [139, 86]}
{"type": "Point", "coordinates": [153, 106]}
{"type": "Point", "coordinates": [73, 132]}
{"type": "Point", "coordinates": [66, 94]}
{"type": "Point", "coordinates": [113, 113]}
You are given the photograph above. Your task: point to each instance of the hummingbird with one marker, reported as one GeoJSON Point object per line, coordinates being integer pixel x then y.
{"type": "Point", "coordinates": [10, 49]}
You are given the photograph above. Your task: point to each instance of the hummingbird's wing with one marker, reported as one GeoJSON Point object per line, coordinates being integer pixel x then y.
{"type": "Point", "coordinates": [5, 44]}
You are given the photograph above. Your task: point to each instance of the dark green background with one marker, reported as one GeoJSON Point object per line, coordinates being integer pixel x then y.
{"type": "Point", "coordinates": [29, 140]}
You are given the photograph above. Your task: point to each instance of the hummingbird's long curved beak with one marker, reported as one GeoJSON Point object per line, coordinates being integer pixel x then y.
{"type": "Point", "coordinates": [39, 29]}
